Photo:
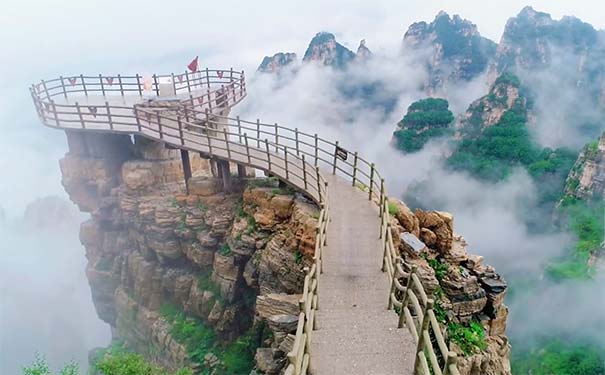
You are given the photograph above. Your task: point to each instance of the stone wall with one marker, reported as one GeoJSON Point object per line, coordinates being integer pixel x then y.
{"type": "Point", "coordinates": [208, 253]}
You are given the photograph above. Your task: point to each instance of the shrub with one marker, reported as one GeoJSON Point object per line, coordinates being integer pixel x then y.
{"type": "Point", "coordinates": [469, 338]}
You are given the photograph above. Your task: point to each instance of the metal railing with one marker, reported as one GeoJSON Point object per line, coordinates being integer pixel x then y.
{"type": "Point", "coordinates": [293, 156]}
{"type": "Point", "coordinates": [206, 89]}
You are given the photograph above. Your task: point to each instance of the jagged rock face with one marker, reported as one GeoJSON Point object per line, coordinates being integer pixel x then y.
{"type": "Point", "coordinates": [464, 287]}
{"type": "Point", "coordinates": [587, 177]}
{"type": "Point", "coordinates": [571, 50]}
{"type": "Point", "coordinates": [209, 253]}
{"type": "Point", "coordinates": [363, 52]}
{"type": "Point", "coordinates": [277, 62]}
{"type": "Point", "coordinates": [324, 50]}
{"type": "Point", "coordinates": [453, 49]}
{"type": "Point", "coordinates": [488, 110]}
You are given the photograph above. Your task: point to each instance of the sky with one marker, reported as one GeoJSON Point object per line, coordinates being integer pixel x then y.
{"type": "Point", "coordinates": [91, 36]}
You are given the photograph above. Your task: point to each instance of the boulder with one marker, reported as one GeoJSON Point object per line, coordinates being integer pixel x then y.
{"type": "Point", "coordinates": [204, 186]}
{"type": "Point", "coordinates": [269, 360]}
{"type": "Point", "coordinates": [277, 304]}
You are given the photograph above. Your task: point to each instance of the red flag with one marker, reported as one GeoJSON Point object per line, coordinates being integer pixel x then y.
{"type": "Point", "coordinates": [180, 77]}
{"type": "Point", "coordinates": [193, 65]}
{"type": "Point", "coordinates": [73, 81]}
{"type": "Point", "coordinates": [109, 80]}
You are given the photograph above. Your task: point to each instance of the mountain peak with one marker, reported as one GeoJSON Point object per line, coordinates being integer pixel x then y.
{"type": "Point", "coordinates": [324, 49]}
{"type": "Point", "coordinates": [459, 52]}
{"type": "Point", "coordinates": [363, 52]}
{"type": "Point", "coordinates": [277, 62]}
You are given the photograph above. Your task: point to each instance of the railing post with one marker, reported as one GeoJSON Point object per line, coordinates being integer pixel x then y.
{"type": "Point", "coordinates": [372, 167]}
{"type": "Point", "coordinates": [335, 158]}
{"type": "Point", "coordinates": [316, 150]}
{"type": "Point", "coordinates": [286, 162]}
{"type": "Point", "coordinates": [209, 100]}
{"type": "Point", "coordinates": [107, 109]}
{"type": "Point", "coordinates": [83, 85]}
{"type": "Point", "coordinates": [304, 167]}
{"type": "Point", "coordinates": [227, 143]}
{"type": "Point", "coordinates": [404, 300]}
{"type": "Point", "coordinates": [207, 79]}
{"type": "Point", "coordinates": [317, 175]}
{"type": "Point", "coordinates": [136, 116]}
{"type": "Point", "coordinates": [121, 85]}
{"type": "Point", "coordinates": [239, 129]}
{"type": "Point", "coordinates": [173, 82]}
{"type": "Point", "coordinates": [45, 89]}
{"type": "Point", "coordinates": [138, 85]}
{"type": "Point", "coordinates": [296, 138]}
{"type": "Point", "coordinates": [187, 80]}
{"type": "Point", "coordinates": [393, 287]}
{"type": "Point", "coordinates": [276, 138]}
{"type": "Point", "coordinates": [102, 86]}
{"type": "Point", "coordinates": [268, 154]}
{"type": "Point", "coordinates": [258, 133]}
{"type": "Point", "coordinates": [79, 115]}
{"type": "Point", "coordinates": [63, 87]}
{"type": "Point", "coordinates": [160, 125]}
{"type": "Point", "coordinates": [178, 118]}
{"type": "Point", "coordinates": [354, 168]}
{"type": "Point", "coordinates": [247, 147]}
{"type": "Point", "coordinates": [382, 198]}
{"type": "Point", "coordinates": [423, 328]}
{"type": "Point", "coordinates": [52, 102]}
{"type": "Point", "coordinates": [157, 86]}
{"type": "Point", "coordinates": [451, 360]}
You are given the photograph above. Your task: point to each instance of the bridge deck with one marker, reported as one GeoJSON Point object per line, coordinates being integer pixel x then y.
{"type": "Point", "coordinates": [357, 334]}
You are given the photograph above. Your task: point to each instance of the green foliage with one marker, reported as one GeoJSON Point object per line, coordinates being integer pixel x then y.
{"type": "Point", "coordinates": [430, 112]}
{"type": "Point", "coordinates": [236, 357]}
{"type": "Point", "coordinates": [508, 78]}
{"type": "Point", "coordinates": [409, 140]}
{"type": "Point", "coordinates": [40, 367]}
{"type": "Point", "coordinates": [123, 363]}
{"type": "Point", "coordinates": [113, 361]}
{"type": "Point", "coordinates": [252, 227]}
{"type": "Point", "coordinates": [239, 209]}
{"type": "Point", "coordinates": [557, 357]}
{"type": "Point", "coordinates": [298, 257]}
{"type": "Point", "coordinates": [441, 269]}
{"type": "Point", "coordinates": [269, 182]}
{"type": "Point", "coordinates": [468, 338]}
{"type": "Point", "coordinates": [425, 119]}
{"type": "Point", "coordinates": [393, 208]}
{"type": "Point", "coordinates": [586, 220]}
{"type": "Point", "coordinates": [225, 250]}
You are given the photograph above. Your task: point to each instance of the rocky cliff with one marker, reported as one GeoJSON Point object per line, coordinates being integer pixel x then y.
{"type": "Point", "coordinates": [567, 51]}
{"type": "Point", "coordinates": [277, 63]}
{"type": "Point", "coordinates": [324, 50]}
{"type": "Point", "coordinates": [451, 48]}
{"type": "Point", "coordinates": [504, 95]}
{"type": "Point", "coordinates": [469, 296]}
{"type": "Point", "coordinates": [587, 177]}
{"type": "Point", "coordinates": [167, 261]}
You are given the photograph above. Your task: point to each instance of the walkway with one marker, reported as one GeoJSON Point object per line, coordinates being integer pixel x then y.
{"type": "Point", "coordinates": [357, 334]}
